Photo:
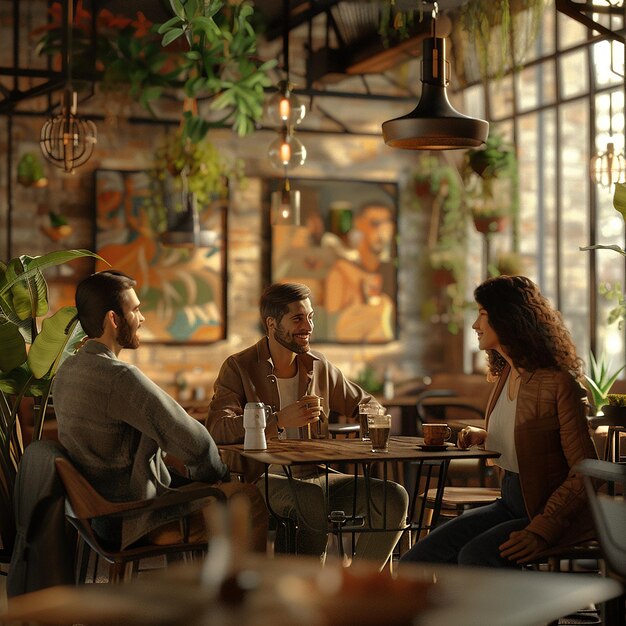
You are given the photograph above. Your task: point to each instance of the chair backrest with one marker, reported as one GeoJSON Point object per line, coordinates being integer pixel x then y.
{"type": "Point", "coordinates": [462, 396]}
{"type": "Point", "coordinates": [470, 385]}
{"type": "Point", "coordinates": [609, 512]}
{"type": "Point", "coordinates": [85, 501]}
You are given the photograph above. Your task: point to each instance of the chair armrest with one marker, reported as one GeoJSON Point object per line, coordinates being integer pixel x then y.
{"type": "Point", "coordinates": [87, 503]}
{"type": "Point", "coordinates": [171, 498]}
{"type": "Point", "coordinates": [604, 470]}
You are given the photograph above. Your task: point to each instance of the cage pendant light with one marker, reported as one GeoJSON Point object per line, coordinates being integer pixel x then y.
{"type": "Point", "coordinates": [435, 124]}
{"type": "Point", "coordinates": [66, 140]}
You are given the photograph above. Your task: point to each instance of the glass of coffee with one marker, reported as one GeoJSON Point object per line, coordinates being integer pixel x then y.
{"type": "Point", "coordinates": [379, 428]}
{"type": "Point", "coordinates": [366, 409]}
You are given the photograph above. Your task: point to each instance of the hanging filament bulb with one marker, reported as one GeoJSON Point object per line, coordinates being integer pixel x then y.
{"type": "Point", "coordinates": [286, 151]}
{"type": "Point", "coordinates": [285, 205]}
{"type": "Point", "coordinates": [284, 108]}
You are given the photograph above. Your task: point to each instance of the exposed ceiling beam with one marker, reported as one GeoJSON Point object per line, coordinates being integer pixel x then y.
{"type": "Point", "coordinates": [581, 13]}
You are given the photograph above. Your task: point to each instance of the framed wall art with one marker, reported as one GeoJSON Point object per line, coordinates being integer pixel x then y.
{"type": "Point", "coordinates": [345, 250]}
{"type": "Point", "coordinates": [182, 289]}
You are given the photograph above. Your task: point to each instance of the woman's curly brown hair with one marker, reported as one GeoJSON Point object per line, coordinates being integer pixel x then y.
{"type": "Point", "coordinates": [529, 329]}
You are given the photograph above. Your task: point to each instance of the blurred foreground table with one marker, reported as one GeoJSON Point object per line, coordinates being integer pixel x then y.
{"type": "Point", "coordinates": [297, 591]}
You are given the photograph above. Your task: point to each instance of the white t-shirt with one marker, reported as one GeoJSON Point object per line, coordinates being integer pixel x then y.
{"type": "Point", "coordinates": [288, 392]}
{"type": "Point", "coordinates": [501, 433]}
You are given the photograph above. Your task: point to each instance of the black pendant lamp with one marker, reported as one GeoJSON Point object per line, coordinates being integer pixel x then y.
{"type": "Point", "coordinates": [434, 124]}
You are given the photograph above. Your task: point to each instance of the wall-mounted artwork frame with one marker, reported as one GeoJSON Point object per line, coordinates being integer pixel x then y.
{"type": "Point", "coordinates": [182, 290]}
{"type": "Point", "coordinates": [345, 250]}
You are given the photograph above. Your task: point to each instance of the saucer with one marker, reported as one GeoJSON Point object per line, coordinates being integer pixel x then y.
{"type": "Point", "coordinates": [441, 448]}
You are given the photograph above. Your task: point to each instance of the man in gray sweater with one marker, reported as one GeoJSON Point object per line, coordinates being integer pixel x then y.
{"type": "Point", "coordinates": [116, 424]}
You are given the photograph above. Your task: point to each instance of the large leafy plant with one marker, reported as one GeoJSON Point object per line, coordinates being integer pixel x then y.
{"type": "Point", "coordinates": [208, 48]}
{"type": "Point", "coordinates": [29, 359]}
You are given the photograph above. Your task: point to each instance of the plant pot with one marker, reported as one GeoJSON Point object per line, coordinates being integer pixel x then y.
{"type": "Point", "coordinates": [422, 188]}
{"type": "Point", "coordinates": [39, 183]}
{"type": "Point", "coordinates": [486, 225]}
{"type": "Point", "coordinates": [614, 412]}
{"type": "Point", "coordinates": [442, 277]}
{"type": "Point", "coordinates": [56, 233]}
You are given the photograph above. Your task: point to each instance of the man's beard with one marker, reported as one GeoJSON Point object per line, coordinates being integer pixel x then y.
{"type": "Point", "coordinates": [126, 336]}
{"type": "Point", "coordinates": [287, 341]}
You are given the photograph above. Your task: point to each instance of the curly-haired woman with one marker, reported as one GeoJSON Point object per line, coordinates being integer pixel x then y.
{"type": "Point", "coordinates": [536, 420]}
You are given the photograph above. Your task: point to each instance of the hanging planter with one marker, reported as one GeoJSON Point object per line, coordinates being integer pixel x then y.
{"type": "Point", "coordinates": [442, 277]}
{"type": "Point", "coordinates": [58, 227]}
{"type": "Point", "coordinates": [30, 172]}
{"type": "Point", "coordinates": [186, 179]}
{"type": "Point", "coordinates": [488, 224]}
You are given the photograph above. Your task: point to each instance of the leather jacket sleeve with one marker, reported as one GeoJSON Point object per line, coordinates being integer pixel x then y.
{"type": "Point", "coordinates": [553, 444]}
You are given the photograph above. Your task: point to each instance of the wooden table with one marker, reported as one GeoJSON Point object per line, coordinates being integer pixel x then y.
{"type": "Point", "coordinates": [291, 591]}
{"type": "Point", "coordinates": [431, 466]}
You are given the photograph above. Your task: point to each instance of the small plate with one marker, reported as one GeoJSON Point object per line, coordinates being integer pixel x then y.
{"type": "Point", "coordinates": [445, 446]}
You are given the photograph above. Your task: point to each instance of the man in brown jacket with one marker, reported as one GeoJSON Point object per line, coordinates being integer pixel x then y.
{"type": "Point", "coordinates": [282, 372]}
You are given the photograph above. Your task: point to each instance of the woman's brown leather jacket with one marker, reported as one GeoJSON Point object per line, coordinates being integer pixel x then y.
{"type": "Point", "coordinates": [551, 437]}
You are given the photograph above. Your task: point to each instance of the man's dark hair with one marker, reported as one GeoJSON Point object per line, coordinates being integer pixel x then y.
{"type": "Point", "coordinates": [98, 294]}
{"type": "Point", "coordinates": [276, 298]}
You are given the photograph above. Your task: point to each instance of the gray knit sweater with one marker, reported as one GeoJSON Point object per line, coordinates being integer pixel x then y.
{"type": "Point", "coordinates": [116, 424]}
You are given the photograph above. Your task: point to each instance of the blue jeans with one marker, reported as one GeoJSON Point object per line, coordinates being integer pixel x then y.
{"type": "Point", "coordinates": [474, 537]}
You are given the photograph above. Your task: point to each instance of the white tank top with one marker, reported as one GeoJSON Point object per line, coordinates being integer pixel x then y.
{"type": "Point", "coordinates": [288, 392]}
{"type": "Point", "coordinates": [501, 431]}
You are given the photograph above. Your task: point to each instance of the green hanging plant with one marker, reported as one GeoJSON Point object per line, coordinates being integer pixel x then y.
{"type": "Point", "coordinates": [30, 171]}
{"type": "Point", "coordinates": [208, 48]}
{"type": "Point", "coordinates": [180, 164]}
{"type": "Point", "coordinates": [497, 33]}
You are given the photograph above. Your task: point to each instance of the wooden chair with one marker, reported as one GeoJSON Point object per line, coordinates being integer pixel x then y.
{"type": "Point", "coordinates": [84, 503]}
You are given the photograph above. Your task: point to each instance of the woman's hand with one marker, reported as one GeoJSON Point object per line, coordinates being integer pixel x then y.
{"type": "Point", "coordinates": [471, 436]}
{"type": "Point", "coordinates": [305, 411]}
{"type": "Point", "coordinates": [522, 546]}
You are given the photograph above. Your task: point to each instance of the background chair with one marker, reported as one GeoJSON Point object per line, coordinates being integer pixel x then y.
{"type": "Point", "coordinates": [84, 504]}
{"type": "Point", "coordinates": [460, 402]}
{"type": "Point", "coordinates": [609, 516]}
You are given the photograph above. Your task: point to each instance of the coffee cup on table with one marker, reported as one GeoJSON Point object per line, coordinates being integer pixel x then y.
{"type": "Point", "coordinates": [436, 434]}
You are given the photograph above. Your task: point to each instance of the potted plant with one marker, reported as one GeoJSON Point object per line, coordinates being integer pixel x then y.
{"type": "Point", "coordinates": [30, 172]}
{"type": "Point", "coordinates": [184, 170]}
{"type": "Point", "coordinates": [600, 380]}
{"type": "Point", "coordinates": [508, 264]}
{"type": "Point", "coordinates": [490, 174]}
{"type": "Point", "coordinates": [615, 406]}
{"type": "Point", "coordinates": [489, 219]}
{"type": "Point", "coordinates": [30, 356]}
{"type": "Point", "coordinates": [57, 228]}
{"type": "Point", "coordinates": [447, 265]}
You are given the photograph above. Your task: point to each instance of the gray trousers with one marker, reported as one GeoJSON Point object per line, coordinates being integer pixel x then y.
{"type": "Point", "coordinates": [304, 501]}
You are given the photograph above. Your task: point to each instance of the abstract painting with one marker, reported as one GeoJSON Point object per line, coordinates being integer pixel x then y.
{"type": "Point", "coordinates": [182, 290]}
{"type": "Point", "coordinates": [345, 251]}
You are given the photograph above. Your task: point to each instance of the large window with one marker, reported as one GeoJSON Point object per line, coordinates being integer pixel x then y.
{"type": "Point", "coordinates": [563, 107]}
